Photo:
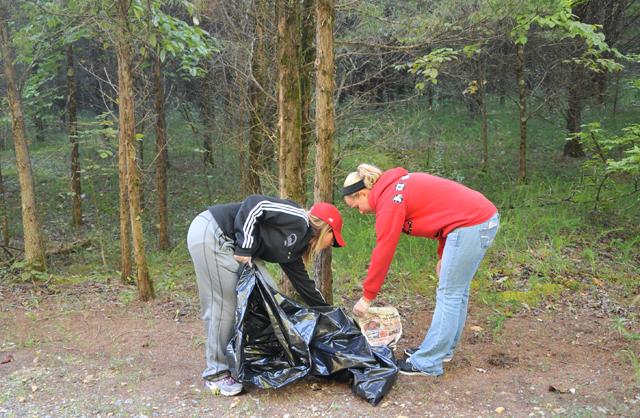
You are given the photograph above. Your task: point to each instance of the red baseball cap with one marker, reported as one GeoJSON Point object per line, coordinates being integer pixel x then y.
{"type": "Point", "coordinates": [331, 215]}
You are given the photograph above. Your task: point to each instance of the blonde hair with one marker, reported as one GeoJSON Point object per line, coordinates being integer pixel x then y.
{"type": "Point", "coordinates": [320, 230]}
{"type": "Point", "coordinates": [366, 172]}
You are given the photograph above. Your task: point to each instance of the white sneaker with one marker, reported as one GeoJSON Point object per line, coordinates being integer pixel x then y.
{"type": "Point", "coordinates": [225, 386]}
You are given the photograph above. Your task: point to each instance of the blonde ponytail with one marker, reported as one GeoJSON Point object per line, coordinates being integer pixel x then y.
{"type": "Point", "coordinates": [366, 173]}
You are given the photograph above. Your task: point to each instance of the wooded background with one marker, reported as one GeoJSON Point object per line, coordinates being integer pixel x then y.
{"type": "Point", "coordinates": [160, 108]}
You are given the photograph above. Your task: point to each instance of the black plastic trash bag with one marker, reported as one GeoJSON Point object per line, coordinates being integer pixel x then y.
{"type": "Point", "coordinates": [278, 341]}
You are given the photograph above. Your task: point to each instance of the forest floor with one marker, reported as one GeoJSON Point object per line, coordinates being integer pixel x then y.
{"type": "Point", "coordinates": [78, 350]}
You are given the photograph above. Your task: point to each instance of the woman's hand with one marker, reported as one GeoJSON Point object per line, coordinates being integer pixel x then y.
{"type": "Point", "coordinates": [361, 307]}
{"type": "Point", "coordinates": [243, 259]}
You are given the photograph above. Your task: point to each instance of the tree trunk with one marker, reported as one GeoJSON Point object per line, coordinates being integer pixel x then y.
{"type": "Point", "coordinates": [38, 123]}
{"type": "Point", "coordinates": [258, 126]}
{"type": "Point", "coordinates": [5, 215]}
{"type": "Point", "coordinates": [290, 170]}
{"type": "Point", "coordinates": [308, 55]}
{"type": "Point", "coordinates": [573, 147]}
{"type": "Point", "coordinates": [616, 94]}
{"type": "Point", "coordinates": [33, 240]}
{"type": "Point", "coordinates": [325, 128]}
{"type": "Point", "coordinates": [72, 122]}
{"type": "Point", "coordinates": [522, 105]}
{"type": "Point", "coordinates": [289, 101]}
{"type": "Point", "coordinates": [484, 136]}
{"type": "Point", "coordinates": [206, 111]}
{"type": "Point", "coordinates": [139, 144]}
{"type": "Point", "coordinates": [161, 163]}
{"type": "Point", "coordinates": [242, 160]}
{"type": "Point", "coordinates": [127, 141]}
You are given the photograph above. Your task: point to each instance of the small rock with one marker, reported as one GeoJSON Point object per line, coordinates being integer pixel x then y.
{"type": "Point", "coordinates": [499, 410]}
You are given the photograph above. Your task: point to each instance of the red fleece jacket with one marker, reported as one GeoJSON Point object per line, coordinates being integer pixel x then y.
{"type": "Point", "coordinates": [422, 205]}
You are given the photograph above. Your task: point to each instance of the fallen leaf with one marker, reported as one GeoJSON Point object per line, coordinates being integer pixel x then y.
{"type": "Point", "coordinates": [499, 410]}
{"type": "Point", "coordinates": [235, 403]}
{"type": "Point", "coordinates": [476, 328]}
{"type": "Point", "coordinates": [34, 388]}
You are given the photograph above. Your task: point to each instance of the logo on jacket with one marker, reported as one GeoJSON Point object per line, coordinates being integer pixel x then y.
{"type": "Point", "coordinates": [398, 198]}
{"type": "Point", "coordinates": [405, 177]}
{"type": "Point", "coordinates": [291, 239]}
{"type": "Point", "coordinates": [400, 187]}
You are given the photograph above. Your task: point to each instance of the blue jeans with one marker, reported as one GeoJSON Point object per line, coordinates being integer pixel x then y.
{"type": "Point", "coordinates": [464, 249]}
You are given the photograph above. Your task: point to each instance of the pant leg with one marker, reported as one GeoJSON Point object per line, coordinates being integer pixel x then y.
{"type": "Point", "coordinates": [217, 275]}
{"type": "Point", "coordinates": [463, 252]}
{"type": "Point", "coordinates": [487, 232]}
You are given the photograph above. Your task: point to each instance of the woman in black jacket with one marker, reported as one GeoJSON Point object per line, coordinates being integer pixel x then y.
{"type": "Point", "coordinates": [224, 237]}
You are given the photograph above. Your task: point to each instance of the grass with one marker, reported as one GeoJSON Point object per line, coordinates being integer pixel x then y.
{"type": "Point", "coordinates": [549, 241]}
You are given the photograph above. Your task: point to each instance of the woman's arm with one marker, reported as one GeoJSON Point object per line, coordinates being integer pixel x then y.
{"type": "Point", "coordinates": [299, 278]}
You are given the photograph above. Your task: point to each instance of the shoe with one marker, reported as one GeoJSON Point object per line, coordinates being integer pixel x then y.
{"type": "Point", "coordinates": [225, 386]}
{"type": "Point", "coordinates": [410, 351]}
{"type": "Point", "coordinates": [405, 367]}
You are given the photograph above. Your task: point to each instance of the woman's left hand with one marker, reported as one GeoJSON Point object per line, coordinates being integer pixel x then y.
{"type": "Point", "coordinates": [361, 307]}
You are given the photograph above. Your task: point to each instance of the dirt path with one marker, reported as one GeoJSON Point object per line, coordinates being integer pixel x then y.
{"type": "Point", "coordinates": [79, 352]}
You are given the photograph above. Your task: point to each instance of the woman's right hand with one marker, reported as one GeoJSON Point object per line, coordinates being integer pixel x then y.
{"type": "Point", "coordinates": [243, 259]}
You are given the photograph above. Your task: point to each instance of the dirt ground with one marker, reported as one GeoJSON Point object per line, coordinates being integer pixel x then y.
{"type": "Point", "coordinates": [77, 351]}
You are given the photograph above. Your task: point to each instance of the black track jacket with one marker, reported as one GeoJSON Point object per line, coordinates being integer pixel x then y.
{"type": "Point", "coordinates": [274, 230]}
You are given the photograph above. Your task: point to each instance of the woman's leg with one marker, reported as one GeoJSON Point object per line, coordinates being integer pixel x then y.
{"type": "Point", "coordinates": [463, 251]}
{"type": "Point", "coordinates": [217, 275]}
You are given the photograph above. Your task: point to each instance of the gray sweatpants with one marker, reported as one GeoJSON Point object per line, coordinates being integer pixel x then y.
{"type": "Point", "coordinates": [217, 274]}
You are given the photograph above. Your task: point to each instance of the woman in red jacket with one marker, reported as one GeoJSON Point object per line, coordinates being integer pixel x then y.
{"type": "Point", "coordinates": [462, 220]}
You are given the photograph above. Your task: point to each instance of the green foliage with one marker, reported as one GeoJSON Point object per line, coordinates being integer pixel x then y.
{"type": "Point", "coordinates": [611, 158]}
{"type": "Point", "coordinates": [175, 38]}
{"type": "Point", "coordinates": [429, 65]}
{"type": "Point", "coordinates": [620, 325]}
{"type": "Point", "coordinates": [24, 271]}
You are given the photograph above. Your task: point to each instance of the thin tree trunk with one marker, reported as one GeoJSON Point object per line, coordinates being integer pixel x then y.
{"type": "Point", "coordinates": [258, 126]}
{"type": "Point", "coordinates": [127, 141]}
{"type": "Point", "coordinates": [616, 94]}
{"type": "Point", "coordinates": [72, 121]}
{"type": "Point", "coordinates": [242, 158]}
{"type": "Point", "coordinates": [207, 116]}
{"type": "Point", "coordinates": [325, 129]}
{"type": "Point", "coordinates": [522, 105]}
{"type": "Point", "coordinates": [484, 136]}
{"type": "Point", "coordinates": [33, 239]}
{"type": "Point", "coordinates": [308, 54]}
{"type": "Point", "coordinates": [38, 123]}
{"type": "Point", "coordinates": [573, 147]}
{"type": "Point", "coordinates": [5, 215]}
{"type": "Point", "coordinates": [161, 163]}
